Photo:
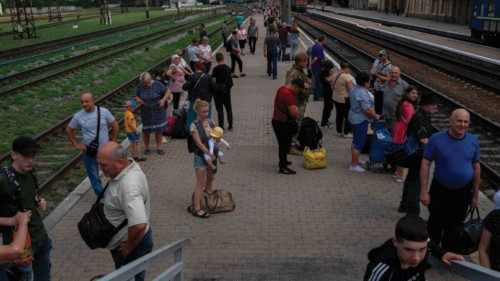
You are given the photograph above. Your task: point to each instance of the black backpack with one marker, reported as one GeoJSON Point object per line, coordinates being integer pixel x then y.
{"type": "Point", "coordinates": [310, 134]}
{"type": "Point", "coordinates": [228, 46]}
{"type": "Point", "coordinates": [179, 128]}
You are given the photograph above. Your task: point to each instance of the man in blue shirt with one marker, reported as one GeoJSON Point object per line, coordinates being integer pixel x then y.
{"type": "Point", "coordinates": [317, 58]}
{"type": "Point", "coordinates": [455, 185]}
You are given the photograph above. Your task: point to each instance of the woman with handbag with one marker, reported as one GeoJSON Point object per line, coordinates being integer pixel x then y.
{"type": "Point", "coordinates": [200, 130]}
{"type": "Point", "coordinates": [404, 112]}
{"type": "Point", "coordinates": [419, 128]}
{"type": "Point", "coordinates": [342, 84]}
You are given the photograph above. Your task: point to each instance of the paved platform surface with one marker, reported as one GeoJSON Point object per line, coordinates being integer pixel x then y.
{"type": "Point", "coordinates": [316, 225]}
{"type": "Point", "coordinates": [463, 46]}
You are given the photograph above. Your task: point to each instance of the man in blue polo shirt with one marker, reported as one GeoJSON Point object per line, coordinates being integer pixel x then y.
{"type": "Point", "coordinates": [317, 58]}
{"type": "Point", "coordinates": [455, 185]}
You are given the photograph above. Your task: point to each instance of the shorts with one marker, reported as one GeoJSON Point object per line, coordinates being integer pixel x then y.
{"type": "Point", "coordinates": [133, 137]}
{"type": "Point", "coordinates": [359, 135]}
{"type": "Point", "coordinates": [199, 162]}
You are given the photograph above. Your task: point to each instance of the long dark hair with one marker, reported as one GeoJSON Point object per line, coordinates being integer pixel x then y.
{"type": "Point", "coordinates": [326, 67]}
{"type": "Point", "coordinates": [406, 98]}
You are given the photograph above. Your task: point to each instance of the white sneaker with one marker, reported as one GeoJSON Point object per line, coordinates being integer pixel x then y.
{"type": "Point", "coordinates": [348, 136]}
{"type": "Point", "coordinates": [356, 169]}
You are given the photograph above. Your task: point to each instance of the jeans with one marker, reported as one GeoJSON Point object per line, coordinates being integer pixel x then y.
{"type": "Point", "coordinates": [145, 247]}
{"type": "Point", "coordinates": [272, 64]}
{"type": "Point", "coordinates": [93, 173]}
{"type": "Point", "coordinates": [252, 41]}
{"type": "Point", "coordinates": [283, 132]}
{"type": "Point", "coordinates": [342, 111]}
{"type": "Point", "coordinates": [316, 73]}
{"type": "Point", "coordinates": [282, 50]}
{"type": "Point", "coordinates": [39, 269]}
{"type": "Point", "coordinates": [236, 59]}
{"type": "Point", "coordinates": [293, 50]}
{"type": "Point", "coordinates": [447, 208]}
{"type": "Point", "coordinates": [224, 100]}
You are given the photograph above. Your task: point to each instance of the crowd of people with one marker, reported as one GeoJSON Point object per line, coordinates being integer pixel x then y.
{"type": "Point", "coordinates": [454, 152]}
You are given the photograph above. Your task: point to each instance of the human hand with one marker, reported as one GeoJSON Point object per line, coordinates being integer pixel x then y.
{"type": "Point", "coordinates": [124, 249]}
{"type": "Point", "coordinates": [450, 256]}
{"type": "Point", "coordinates": [140, 101]}
{"type": "Point", "coordinates": [41, 203]}
{"type": "Point", "coordinates": [161, 103]}
{"type": "Point", "coordinates": [424, 198]}
{"type": "Point", "coordinates": [24, 261]}
{"type": "Point", "coordinates": [21, 218]}
{"type": "Point", "coordinates": [212, 157]}
{"type": "Point", "coordinates": [81, 146]}
{"type": "Point", "coordinates": [474, 200]}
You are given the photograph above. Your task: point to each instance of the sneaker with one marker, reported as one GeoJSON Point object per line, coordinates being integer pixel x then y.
{"type": "Point", "coordinates": [287, 171]}
{"type": "Point", "coordinates": [328, 125]}
{"type": "Point", "coordinates": [230, 128]}
{"type": "Point", "coordinates": [348, 136]}
{"type": "Point", "coordinates": [356, 169]}
{"type": "Point", "coordinates": [398, 178]}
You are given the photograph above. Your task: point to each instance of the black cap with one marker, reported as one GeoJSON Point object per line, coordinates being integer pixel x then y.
{"type": "Point", "coordinates": [25, 146]}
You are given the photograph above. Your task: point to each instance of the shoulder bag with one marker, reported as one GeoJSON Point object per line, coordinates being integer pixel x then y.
{"type": "Point", "coordinates": [93, 146]}
{"type": "Point", "coordinates": [464, 239]}
{"type": "Point", "coordinates": [95, 228]}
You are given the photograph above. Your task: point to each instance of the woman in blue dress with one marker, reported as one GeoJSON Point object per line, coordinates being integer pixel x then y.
{"type": "Point", "coordinates": [152, 96]}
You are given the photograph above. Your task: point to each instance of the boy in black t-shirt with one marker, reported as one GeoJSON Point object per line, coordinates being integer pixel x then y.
{"type": "Point", "coordinates": [222, 96]}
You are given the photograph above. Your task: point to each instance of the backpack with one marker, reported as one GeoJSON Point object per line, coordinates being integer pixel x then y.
{"type": "Point", "coordinates": [310, 134]}
{"type": "Point", "coordinates": [381, 142]}
{"type": "Point", "coordinates": [178, 129]}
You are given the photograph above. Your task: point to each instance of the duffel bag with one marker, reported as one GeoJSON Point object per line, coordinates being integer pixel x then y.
{"type": "Point", "coordinates": [218, 201]}
{"type": "Point", "coordinates": [464, 238]}
{"type": "Point", "coordinates": [314, 159]}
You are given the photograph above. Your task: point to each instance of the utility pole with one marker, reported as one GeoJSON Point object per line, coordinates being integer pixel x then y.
{"type": "Point", "coordinates": [147, 9]}
{"type": "Point", "coordinates": [21, 18]}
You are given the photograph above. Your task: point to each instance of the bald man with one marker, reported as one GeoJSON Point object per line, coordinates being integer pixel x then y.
{"type": "Point", "coordinates": [86, 120]}
{"type": "Point", "coordinates": [455, 185]}
{"type": "Point", "coordinates": [393, 90]}
{"type": "Point", "coordinates": [126, 197]}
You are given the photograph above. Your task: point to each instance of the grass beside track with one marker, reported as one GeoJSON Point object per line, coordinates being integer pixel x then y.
{"type": "Point", "coordinates": [38, 109]}
{"type": "Point", "coordinates": [85, 26]}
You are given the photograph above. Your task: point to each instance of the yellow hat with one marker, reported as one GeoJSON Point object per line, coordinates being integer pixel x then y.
{"type": "Point", "coordinates": [217, 132]}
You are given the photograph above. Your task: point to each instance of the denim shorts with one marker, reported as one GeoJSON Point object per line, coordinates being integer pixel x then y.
{"type": "Point", "coordinates": [199, 162]}
{"type": "Point", "coordinates": [359, 135]}
{"type": "Point", "coordinates": [133, 137]}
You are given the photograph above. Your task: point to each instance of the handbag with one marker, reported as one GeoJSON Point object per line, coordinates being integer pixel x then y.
{"type": "Point", "coordinates": [314, 159]}
{"type": "Point", "coordinates": [218, 201]}
{"type": "Point", "coordinates": [402, 155]}
{"type": "Point", "coordinates": [464, 239]}
{"type": "Point", "coordinates": [95, 228]}
{"type": "Point", "coordinates": [93, 146]}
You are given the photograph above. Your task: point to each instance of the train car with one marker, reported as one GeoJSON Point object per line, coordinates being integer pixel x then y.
{"type": "Point", "coordinates": [299, 6]}
{"type": "Point", "coordinates": [485, 20]}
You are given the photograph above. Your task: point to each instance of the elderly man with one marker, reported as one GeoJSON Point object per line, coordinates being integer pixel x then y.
{"type": "Point", "coordinates": [301, 99]}
{"type": "Point", "coordinates": [455, 185]}
{"type": "Point", "coordinates": [86, 119]}
{"type": "Point", "coordinates": [126, 197]}
{"type": "Point", "coordinates": [393, 90]}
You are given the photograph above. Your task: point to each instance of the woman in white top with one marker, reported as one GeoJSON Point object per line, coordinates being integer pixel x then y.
{"type": "Point", "coordinates": [242, 37]}
{"type": "Point", "coordinates": [342, 83]}
{"type": "Point", "coordinates": [205, 54]}
{"type": "Point", "coordinates": [192, 53]}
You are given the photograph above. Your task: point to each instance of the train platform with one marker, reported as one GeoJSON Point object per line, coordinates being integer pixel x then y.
{"type": "Point", "coordinates": [393, 26]}
{"type": "Point", "coordinates": [315, 225]}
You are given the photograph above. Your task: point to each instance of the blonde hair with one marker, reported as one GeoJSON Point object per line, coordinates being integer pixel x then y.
{"type": "Point", "coordinates": [200, 103]}
{"type": "Point", "coordinates": [145, 78]}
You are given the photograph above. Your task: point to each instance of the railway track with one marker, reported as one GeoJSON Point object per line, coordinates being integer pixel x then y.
{"type": "Point", "coordinates": [470, 71]}
{"type": "Point", "coordinates": [32, 77]}
{"type": "Point", "coordinates": [486, 130]}
{"type": "Point", "coordinates": [34, 49]}
{"type": "Point", "coordinates": [56, 157]}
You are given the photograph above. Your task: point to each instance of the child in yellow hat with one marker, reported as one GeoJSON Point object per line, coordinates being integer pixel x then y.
{"type": "Point", "coordinates": [213, 146]}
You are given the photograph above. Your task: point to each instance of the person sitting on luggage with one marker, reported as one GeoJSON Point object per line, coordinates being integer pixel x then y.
{"type": "Point", "coordinates": [213, 143]}
{"type": "Point", "coordinates": [404, 257]}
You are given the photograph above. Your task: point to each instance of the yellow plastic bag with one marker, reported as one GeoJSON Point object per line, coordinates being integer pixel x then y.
{"type": "Point", "coordinates": [314, 159]}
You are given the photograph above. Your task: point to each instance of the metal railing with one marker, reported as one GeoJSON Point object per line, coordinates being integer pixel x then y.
{"type": "Point", "coordinates": [473, 272]}
{"type": "Point", "coordinates": [173, 272]}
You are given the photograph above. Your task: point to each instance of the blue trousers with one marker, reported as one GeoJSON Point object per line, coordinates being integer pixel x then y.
{"type": "Point", "coordinates": [316, 73]}
{"type": "Point", "coordinates": [272, 64]}
{"type": "Point", "coordinates": [93, 173]}
{"type": "Point", "coordinates": [145, 247]}
{"type": "Point", "coordinates": [39, 269]}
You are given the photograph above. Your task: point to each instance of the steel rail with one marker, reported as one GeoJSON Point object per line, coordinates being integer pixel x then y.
{"type": "Point", "coordinates": [492, 176]}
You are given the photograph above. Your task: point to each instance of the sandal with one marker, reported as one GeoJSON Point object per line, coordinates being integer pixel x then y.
{"type": "Point", "coordinates": [160, 152]}
{"type": "Point", "coordinates": [147, 152]}
{"type": "Point", "coordinates": [203, 215]}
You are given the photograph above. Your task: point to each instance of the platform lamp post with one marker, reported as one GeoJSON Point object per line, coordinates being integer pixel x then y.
{"type": "Point", "coordinates": [147, 9]}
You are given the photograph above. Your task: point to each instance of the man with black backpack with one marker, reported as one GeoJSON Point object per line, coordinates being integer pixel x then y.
{"type": "Point", "coordinates": [18, 192]}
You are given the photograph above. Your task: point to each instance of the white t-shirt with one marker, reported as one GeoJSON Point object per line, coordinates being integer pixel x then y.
{"type": "Point", "coordinates": [192, 51]}
{"type": "Point", "coordinates": [205, 52]}
{"type": "Point", "coordinates": [87, 121]}
{"type": "Point", "coordinates": [127, 197]}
